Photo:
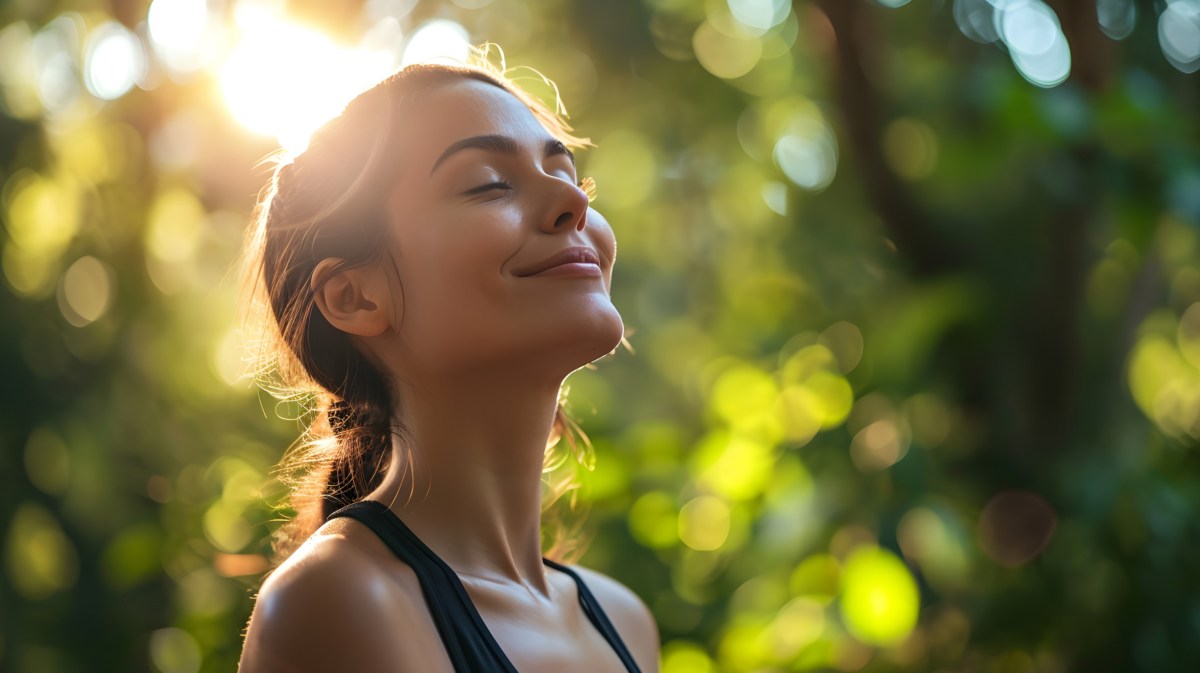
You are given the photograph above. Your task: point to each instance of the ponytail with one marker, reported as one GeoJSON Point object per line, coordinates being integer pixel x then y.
{"type": "Point", "coordinates": [359, 468]}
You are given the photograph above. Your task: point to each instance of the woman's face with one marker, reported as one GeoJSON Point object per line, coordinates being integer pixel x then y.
{"type": "Point", "coordinates": [485, 194]}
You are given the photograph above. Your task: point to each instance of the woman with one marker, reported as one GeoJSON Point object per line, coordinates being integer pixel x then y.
{"type": "Point", "coordinates": [431, 262]}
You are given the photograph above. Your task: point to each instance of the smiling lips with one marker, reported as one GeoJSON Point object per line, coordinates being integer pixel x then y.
{"type": "Point", "coordinates": [573, 261]}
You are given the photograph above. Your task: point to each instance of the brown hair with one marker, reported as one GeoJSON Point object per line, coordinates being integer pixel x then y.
{"type": "Point", "coordinates": [327, 201]}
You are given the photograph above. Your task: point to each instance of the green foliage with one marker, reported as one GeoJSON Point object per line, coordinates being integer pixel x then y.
{"type": "Point", "coordinates": [916, 327]}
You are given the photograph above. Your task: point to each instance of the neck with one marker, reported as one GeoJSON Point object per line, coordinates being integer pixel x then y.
{"type": "Point", "coordinates": [466, 473]}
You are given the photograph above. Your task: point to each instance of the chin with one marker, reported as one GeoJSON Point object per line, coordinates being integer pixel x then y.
{"type": "Point", "coordinates": [580, 338]}
{"type": "Point", "coordinates": [616, 333]}
{"type": "Point", "coordinates": [553, 344]}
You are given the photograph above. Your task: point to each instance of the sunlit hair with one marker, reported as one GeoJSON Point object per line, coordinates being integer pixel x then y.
{"type": "Point", "coordinates": [328, 201]}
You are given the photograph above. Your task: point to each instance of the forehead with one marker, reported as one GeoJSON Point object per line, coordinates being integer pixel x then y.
{"type": "Point", "coordinates": [460, 108]}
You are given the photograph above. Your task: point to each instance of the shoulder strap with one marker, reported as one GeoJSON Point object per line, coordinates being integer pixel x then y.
{"type": "Point", "coordinates": [444, 593]}
{"type": "Point", "coordinates": [595, 613]}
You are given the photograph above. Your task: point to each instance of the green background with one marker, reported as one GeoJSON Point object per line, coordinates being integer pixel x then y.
{"type": "Point", "coordinates": [915, 379]}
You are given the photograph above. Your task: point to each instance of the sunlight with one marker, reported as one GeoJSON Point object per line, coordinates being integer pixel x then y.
{"type": "Point", "coordinates": [284, 79]}
{"type": "Point", "coordinates": [437, 41]}
{"type": "Point", "coordinates": [183, 33]}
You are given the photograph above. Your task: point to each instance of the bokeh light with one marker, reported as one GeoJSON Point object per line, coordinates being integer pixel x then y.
{"type": "Point", "coordinates": [704, 523]}
{"type": "Point", "coordinates": [1163, 371]}
{"type": "Point", "coordinates": [86, 291]}
{"type": "Point", "coordinates": [808, 155]}
{"type": "Point", "coordinates": [879, 601]}
{"type": "Point", "coordinates": [934, 541]}
{"type": "Point", "coordinates": [877, 446]}
{"type": "Point", "coordinates": [798, 624]}
{"type": "Point", "coordinates": [976, 20]}
{"type": "Point", "coordinates": [1179, 34]}
{"type": "Point", "coordinates": [681, 656]}
{"type": "Point", "coordinates": [115, 61]}
{"type": "Point", "coordinates": [1117, 17]}
{"type": "Point", "coordinates": [726, 55]}
{"type": "Point", "coordinates": [759, 15]}
{"type": "Point", "coordinates": [40, 558]}
{"type": "Point", "coordinates": [653, 520]}
{"type": "Point", "coordinates": [18, 71]}
{"type": "Point", "coordinates": [1029, 29]}
{"type": "Point", "coordinates": [55, 51]}
{"type": "Point", "coordinates": [1035, 41]}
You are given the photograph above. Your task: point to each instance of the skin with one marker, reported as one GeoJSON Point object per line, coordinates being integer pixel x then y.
{"type": "Point", "coordinates": [478, 355]}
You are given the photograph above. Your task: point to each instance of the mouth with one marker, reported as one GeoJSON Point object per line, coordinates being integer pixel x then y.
{"type": "Point", "coordinates": [576, 260]}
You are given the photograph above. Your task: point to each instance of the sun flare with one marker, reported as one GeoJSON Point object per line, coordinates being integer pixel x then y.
{"type": "Point", "coordinates": [285, 79]}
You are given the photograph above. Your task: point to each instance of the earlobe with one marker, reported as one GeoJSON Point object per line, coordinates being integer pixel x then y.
{"type": "Point", "coordinates": [345, 299]}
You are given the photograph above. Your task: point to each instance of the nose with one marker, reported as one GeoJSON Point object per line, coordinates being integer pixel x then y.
{"type": "Point", "coordinates": [569, 208]}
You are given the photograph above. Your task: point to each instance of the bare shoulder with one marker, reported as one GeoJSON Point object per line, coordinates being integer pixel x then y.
{"type": "Point", "coordinates": [331, 606]}
{"type": "Point", "coordinates": [629, 614]}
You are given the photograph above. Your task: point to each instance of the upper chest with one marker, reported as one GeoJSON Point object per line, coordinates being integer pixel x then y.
{"type": "Point", "coordinates": [539, 638]}
{"type": "Point", "coordinates": [535, 635]}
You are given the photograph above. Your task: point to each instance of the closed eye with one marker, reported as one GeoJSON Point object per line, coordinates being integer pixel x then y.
{"type": "Point", "coordinates": [500, 184]}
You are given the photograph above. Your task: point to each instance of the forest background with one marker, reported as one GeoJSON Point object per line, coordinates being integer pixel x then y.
{"type": "Point", "coordinates": [912, 290]}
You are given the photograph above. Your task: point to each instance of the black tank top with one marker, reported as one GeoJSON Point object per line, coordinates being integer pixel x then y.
{"type": "Point", "coordinates": [471, 646]}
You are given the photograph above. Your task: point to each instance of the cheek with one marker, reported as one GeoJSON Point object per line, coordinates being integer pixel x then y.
{"type": "Point", "coordinates": [469, 251]}
{"type": "Point", "coordinates": [452, 276]}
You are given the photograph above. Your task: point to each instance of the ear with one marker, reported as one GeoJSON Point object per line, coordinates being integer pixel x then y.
{"type": "Point", "coordinates": [352, 300]}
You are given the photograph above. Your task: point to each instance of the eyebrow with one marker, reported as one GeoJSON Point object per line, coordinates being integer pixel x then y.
{"type": "Point", "coordinates": [502, 145]}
